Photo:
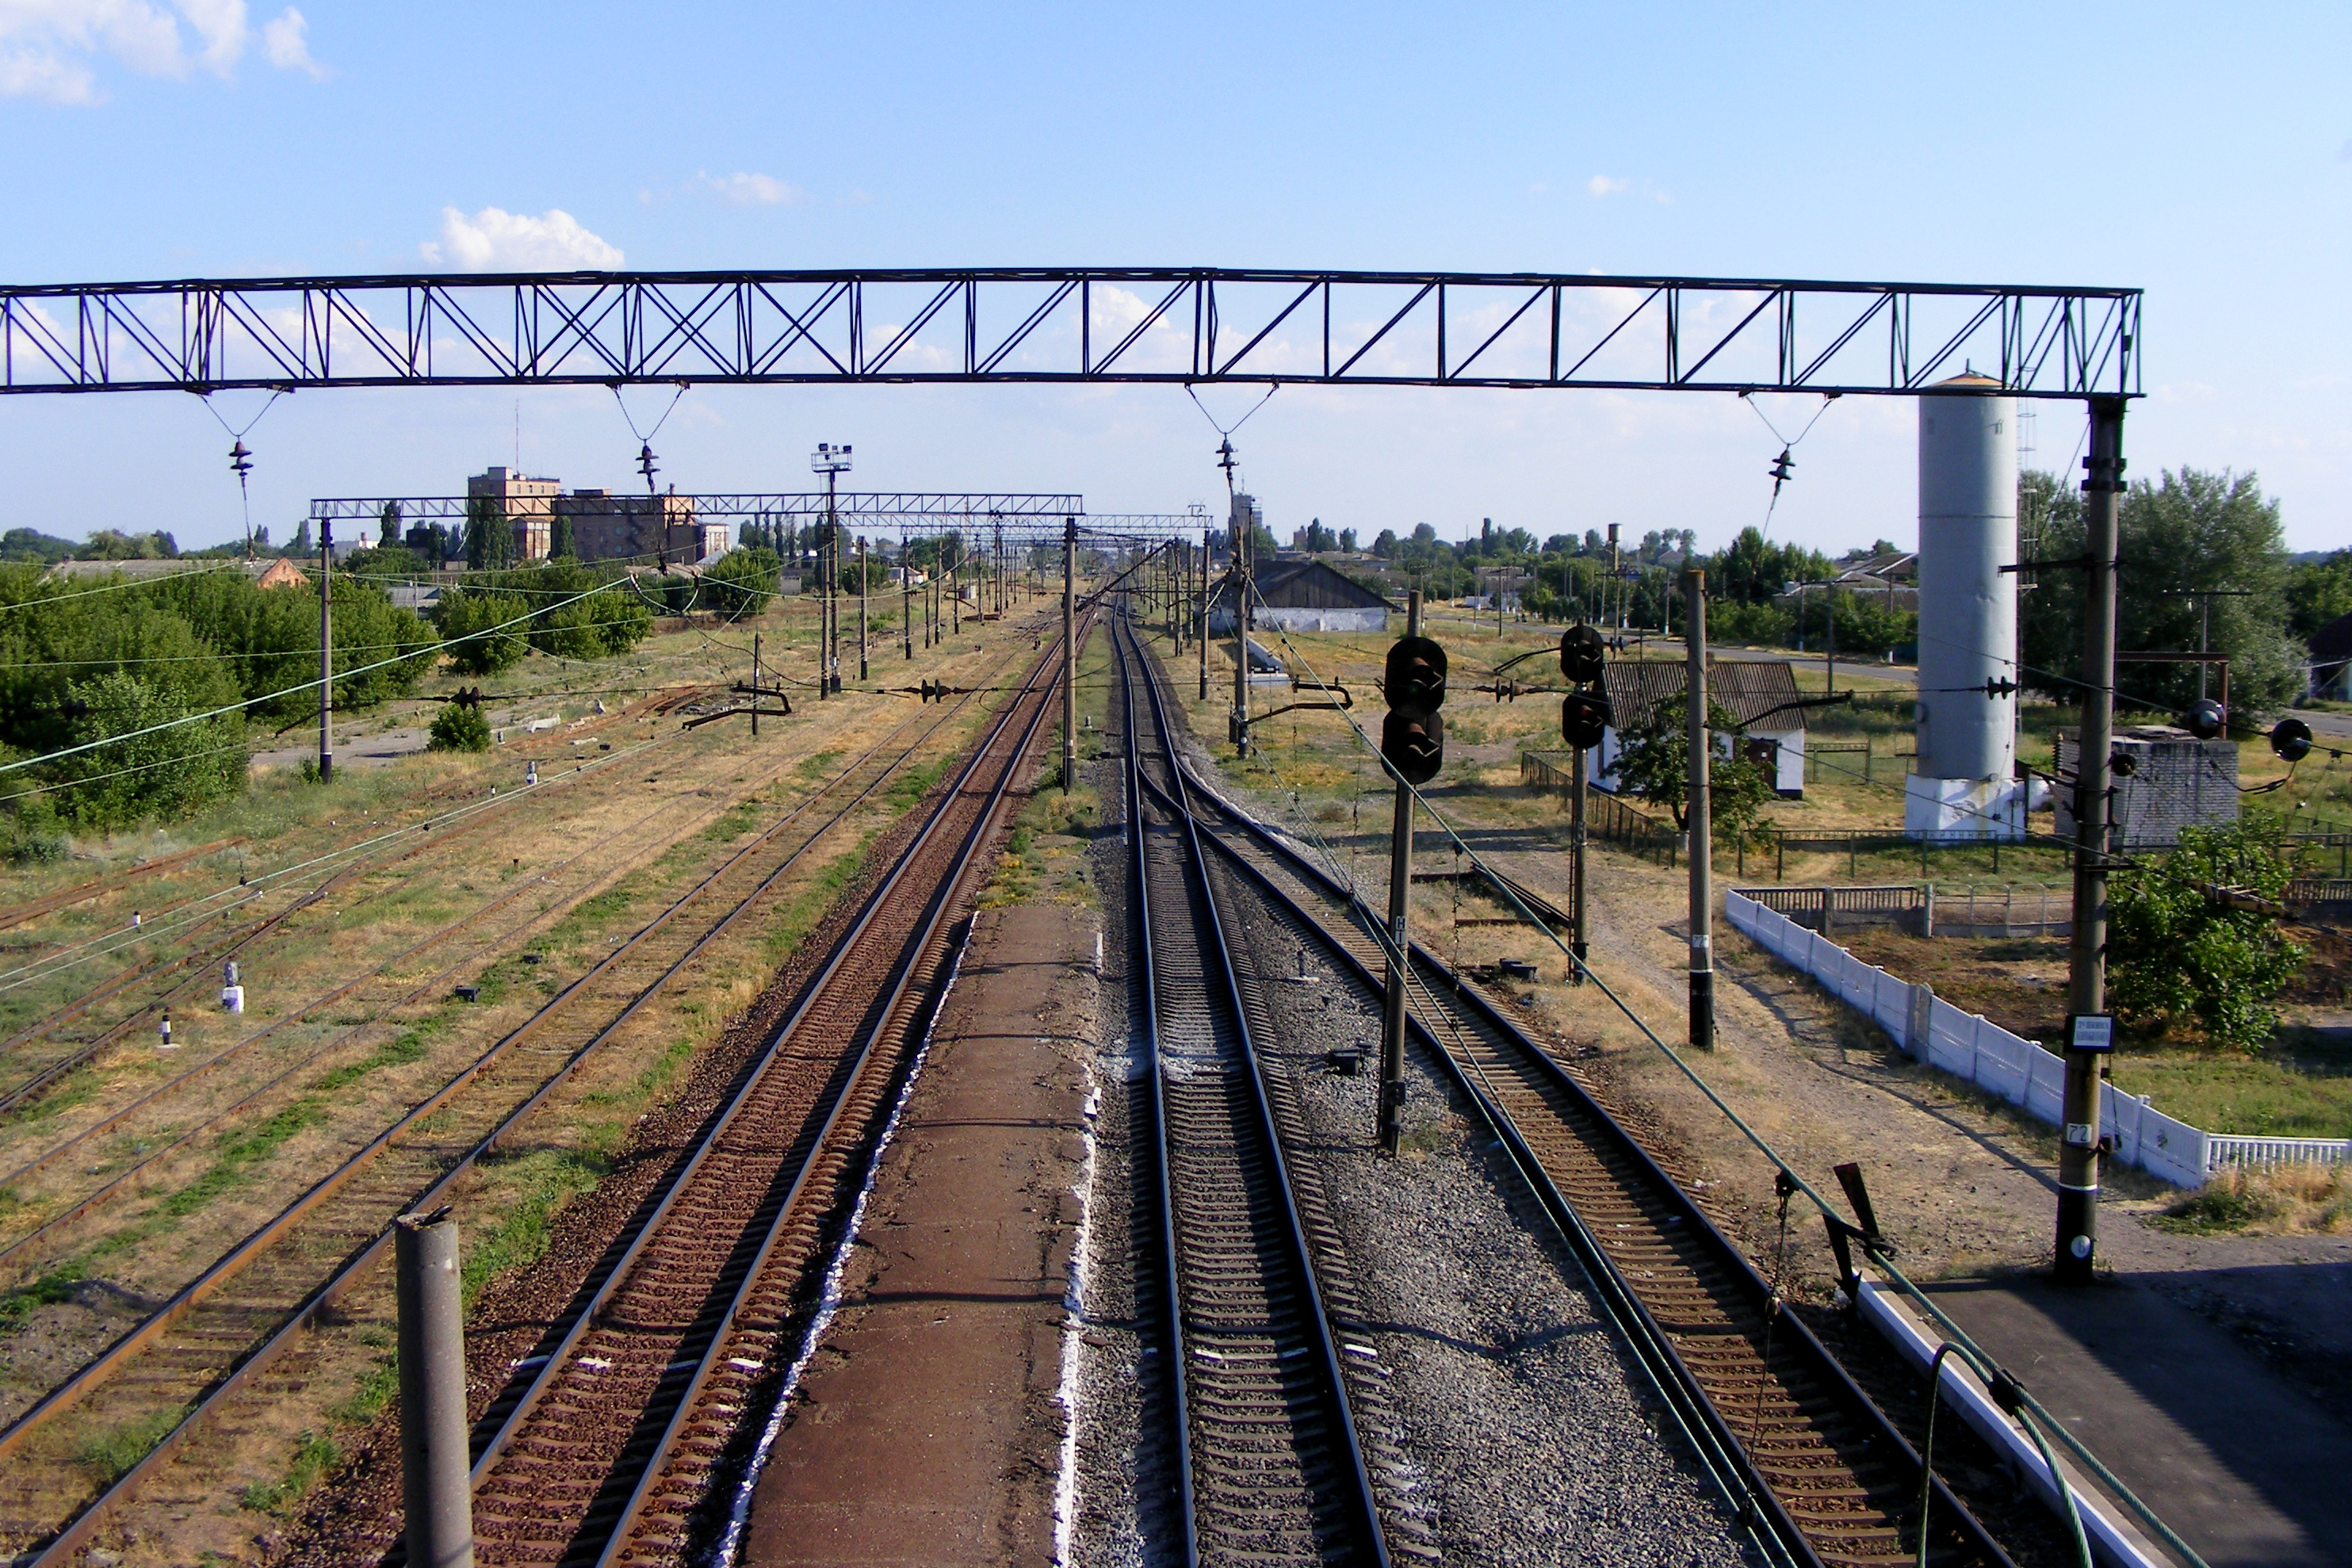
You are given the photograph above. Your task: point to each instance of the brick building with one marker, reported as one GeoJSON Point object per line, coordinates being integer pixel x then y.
{"type": "Point", "coordinates": [528, 504]}
{"type": "Point", "coordinates": [605, 527]}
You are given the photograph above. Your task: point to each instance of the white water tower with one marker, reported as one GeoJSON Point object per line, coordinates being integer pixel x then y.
{"type": "Point", "coordinates": [1965, 785]}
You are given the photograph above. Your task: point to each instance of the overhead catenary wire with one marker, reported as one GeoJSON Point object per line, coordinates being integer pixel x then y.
{"type": "Point", "coordinates": [311, 685]}
{"type": "Point", "coordinates": [1757, 1139]}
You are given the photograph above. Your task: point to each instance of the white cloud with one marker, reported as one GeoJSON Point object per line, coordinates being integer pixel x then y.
{"type": "Point", "coordinates": [745, 190]}
{"type": "Point", "coordinates": [286, 42]}
{"type": "Point", "coordinates": [47, 47]}
{"type": "Point", "coordinates": [1602, 185]}
{"type": "Point", "coordinates": [496, 240]}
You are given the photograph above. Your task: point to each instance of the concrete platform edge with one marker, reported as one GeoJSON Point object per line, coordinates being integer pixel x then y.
{"type": "Point", "coordinates": [2113, 1541]}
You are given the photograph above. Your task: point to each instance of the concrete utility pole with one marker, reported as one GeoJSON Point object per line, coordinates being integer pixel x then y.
{"type": "Point", "coordinates": [1203, 628]}
{"type": "Point", "coordinates": [326, 650]}
{"type": "Point", "coordinates": [905, 596]}
{"type": "Point", "coordinates": [1578, 840]}
{"type": "Point", "coordinates": [862, 673]}
{"type": "Point", "coordinates": [438, 1499]}
{"type": "Point", "coordinates": [1239, 578]}
{"type": "Point", "coordinates": [2086, 973]}
{"type": "Point", "coordinates": [1393, 1017]}
{"type": "Point", "coordinates": [1700, 821]}
{"type": "Point", "coordinates": [755, 685]}
{"type": "Point", "coordinates": [1069, 652]}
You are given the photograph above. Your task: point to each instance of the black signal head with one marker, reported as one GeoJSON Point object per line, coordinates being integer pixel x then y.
{"type": "Point", "coordinates": [1582, 652]}
{"type": "Point", "coordinates": [1415, 678]}
{"type": "Point", "coordinates": [1414, 744]}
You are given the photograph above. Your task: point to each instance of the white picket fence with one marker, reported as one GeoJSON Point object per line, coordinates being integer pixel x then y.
{"type": "Point", "coordinates": [2017, 1069]}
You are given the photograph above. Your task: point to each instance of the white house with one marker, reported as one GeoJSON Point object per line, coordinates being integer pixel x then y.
{"type": "Point", "coordinates": [1758, 696]}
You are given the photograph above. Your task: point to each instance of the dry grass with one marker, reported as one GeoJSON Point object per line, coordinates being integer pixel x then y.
{"type": "Point", "coordinates": [2285, 1200]}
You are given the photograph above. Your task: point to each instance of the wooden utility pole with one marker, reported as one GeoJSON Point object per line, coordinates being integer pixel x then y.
{"type": "Point", "coordinates": [2087, 974]}
{"type": "Point", "coordinates": [1699, 820]}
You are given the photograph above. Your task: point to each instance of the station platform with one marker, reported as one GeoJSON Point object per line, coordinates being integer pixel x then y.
{"type": "Point", "coordinates": [2158, 1372]}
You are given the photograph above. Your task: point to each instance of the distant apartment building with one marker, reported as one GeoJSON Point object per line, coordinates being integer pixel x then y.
{"type": "Point", "coordinates": [526, 503]}
{"type": "Point", "coordinates": [605, 526]}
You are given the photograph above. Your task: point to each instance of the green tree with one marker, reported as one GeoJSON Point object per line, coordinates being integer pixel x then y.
{"type": "Point", "coordinates": [743, 582]}
{"type": "Point", "coordinates": [1655, 765]}
{"type": "Point", "coordinates": [489, 538]}
{"type": "Point", "coordinates": [2190, 529]}
{"type": "Point", "coordinates": [559, 539]}
{"type": "Point", "coordinates": [458, 728]}
{"type": "Point", "coordinates": [32, 545]}
{"type": "Point", "coordinates": [2317, 591]}
{"type": "Point", "coordinates": [483, 631]}
{"type": "Point", "coordinates": [2186, 953]}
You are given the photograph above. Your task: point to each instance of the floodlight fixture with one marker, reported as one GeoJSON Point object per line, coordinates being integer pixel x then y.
{"type": "Point", "coordinates": [829, 459]}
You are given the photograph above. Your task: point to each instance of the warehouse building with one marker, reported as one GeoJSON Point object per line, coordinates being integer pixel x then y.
{"type": "Point", "coordinates": [1302, 596]}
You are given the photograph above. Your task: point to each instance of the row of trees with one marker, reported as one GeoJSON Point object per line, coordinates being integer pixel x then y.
{"type": "Point", "coordinates": [78, 666]}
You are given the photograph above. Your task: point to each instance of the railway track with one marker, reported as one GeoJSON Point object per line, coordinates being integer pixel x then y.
{"type": "Point", "coordinates": [215, 1340]}
{"type": "Point", "coordinates": [375, 994]}
{"type": "Point", "coordinates": [605, 1448]}
{"type": "Point", "coordinates": [1814, 1468]}
{"type": "Point", "coordinates": [435, 836]}
{"type": "Point", "coordinates": [1270, 1467]}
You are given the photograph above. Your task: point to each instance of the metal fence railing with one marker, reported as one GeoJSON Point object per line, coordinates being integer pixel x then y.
{"type": "Point", "coordinates": [1605, 816]}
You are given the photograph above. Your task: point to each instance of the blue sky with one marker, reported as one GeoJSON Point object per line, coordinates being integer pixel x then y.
{"type": "Point", "coordinates": [2203, 154]}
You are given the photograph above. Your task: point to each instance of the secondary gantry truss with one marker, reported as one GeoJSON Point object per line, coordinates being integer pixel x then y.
{"type": "Point", "coordinates": [1025, 517]}
{"type": "Point", "coordinates": [1068, 324]}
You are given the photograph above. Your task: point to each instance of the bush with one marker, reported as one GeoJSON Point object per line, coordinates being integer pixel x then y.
{"type": "Point", "coordinates": [2181, 956]}
{"type": "Point", "coordinates": [1655, 765]}
{"type": "Point", "coordinates": [743, 582]}
{"type": "Point", "coordinates": [458, 727]}
{"type": "Point", "coordinates": [468, 617]}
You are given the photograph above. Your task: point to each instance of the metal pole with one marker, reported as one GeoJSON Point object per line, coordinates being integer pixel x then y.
{"type": "Point", "coordinates": [2086, 977]}
{"type": "Point", "coordinates": [1069, 652]}
{"type": "Point", "coordinates": [862, 674]}
{"type": "Point", "coordinates": [326, 650]}
{"type": "Point", "coordinates": [1392, 1102]}
{"type": "Point", "coordinates": [440, 1502]}
{"type": "Point", "coordinates": [1697, 816]}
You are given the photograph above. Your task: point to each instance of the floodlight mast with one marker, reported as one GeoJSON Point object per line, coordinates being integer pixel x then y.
{"type": "Point", "coordinates": [831, 462]}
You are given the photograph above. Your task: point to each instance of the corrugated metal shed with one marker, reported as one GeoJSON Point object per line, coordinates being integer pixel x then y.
{"type": "Point", "coordinates": [1747, 689]}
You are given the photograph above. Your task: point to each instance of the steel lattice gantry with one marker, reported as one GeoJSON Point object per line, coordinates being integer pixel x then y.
{"type": "Point", "coordinates": [1080, 324]}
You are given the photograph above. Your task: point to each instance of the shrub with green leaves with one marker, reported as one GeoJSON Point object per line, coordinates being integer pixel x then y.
{"type": "Point", "coordinates": [2183, 954]}
{"type": "Point", "coordinates": [458, 728]}
{"type": "Point", "coordinates": [482, 631]}
{"type": "Point", "coordinates": [1655, 765]}
{"type": "Point", "coordinates": [744, 583]}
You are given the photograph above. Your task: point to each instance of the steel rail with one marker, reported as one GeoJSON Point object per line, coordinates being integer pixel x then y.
{"type": "Point", "coordinates": [230, 1053]}
{"type": "Point", "coordinates": [1360, 1508]}
{"type": "Point", "coordinates": [1655, 1347]}
{"type": "Point", "coordinates": [79, 1531]}
{"type": "Point", "coordinates": [940, 902]}
{"type": "Point", "coordinates": [465, 817]}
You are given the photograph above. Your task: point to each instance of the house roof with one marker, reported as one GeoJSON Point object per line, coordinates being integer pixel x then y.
{"type": "Point", "coordinates": [1747, 689]}
{"type": "Point", "coordinates": [1308, 585]}
{"type": "Point", "coordinates": [2332, 643]}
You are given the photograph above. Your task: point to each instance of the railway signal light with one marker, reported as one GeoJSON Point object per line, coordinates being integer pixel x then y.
{"type": "Point", "coordinates": [2204, 719]}
{"type": "Point", "coordinates": [2291, 738]}
{"type": "Point", "coordinates": [1584, 717]}
{"type": "Point", "coordinates": [1582, 654]}
{"type": "Point", "coordinates": [1413, 736]}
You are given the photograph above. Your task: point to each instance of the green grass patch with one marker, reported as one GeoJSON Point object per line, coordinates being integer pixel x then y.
{"type": "Point", "coordinates": [112, 1453]}
{"type": "Point", "coordinates": [378, 1387]}
{"type": "Point", "coordinates": [2273, 1096]}
{"type": "Point", "coordinates": [312, 1458]}
{"type": "Point", "coordinates": [53, 1289]}
{"type": "Point", "coordinates": [733, 824]}
{"type": "Point", "coordinates": [532, 1186]}
{"type": "Point", "coordinates": [239, 1152]}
